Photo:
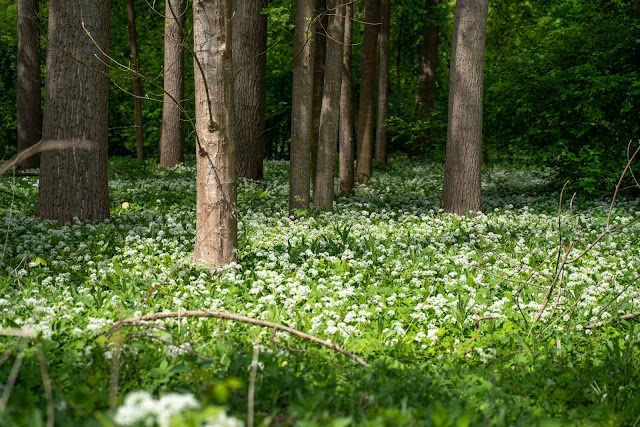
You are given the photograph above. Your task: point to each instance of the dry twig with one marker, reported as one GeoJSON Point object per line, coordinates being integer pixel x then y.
{"type": "Point", "coordinates": [46, 383]}
{"type": "Point", "coordinates": [627, 316]}
{"type": "Point", "coordinates": [113, 378]}
{"type": "Point", "coordinates": [13, 375]}
{"type": "Point", "coordinates": [559, 271]}
{"type": "Point", "coordinates": [252, 383]}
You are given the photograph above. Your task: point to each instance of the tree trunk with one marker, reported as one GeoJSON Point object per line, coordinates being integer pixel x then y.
{"type": "Point", "coordinates": [367, 89]}
{"type": "Point", "coordinates": [323, 188]}
{"type": "Point", "coordinates": [319, 56]}
{"type": "Point", "coordinates": [216, 205]}
{"type": "Point", "coordinates": [137, 87]}
{"type": "Point", "coordinates": [383, 83]}
{"type": "Point", "coordinates": [29, 108]}
{"type": "Point", "coordinates": [302, 105]}
{"type": "Point", "coordinates": [250, 65]}
{"type": "Point", "coordinates": [461, 191]}
{"type": "Point", "coordinates": [399, 45]}
{"type": "Point", "coordinates": [426, 79]}
{"type": "Point", "coordinates": [73, 173]}
{"type": "Point", "coordinates": [346, 181]}
{"type": "Point", "coordinates": [172, 137]}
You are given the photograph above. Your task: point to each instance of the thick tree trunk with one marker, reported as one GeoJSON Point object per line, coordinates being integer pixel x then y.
{"type": "Point", "coordinates": [323, 188]}
{"type": "Point", "coordinates": [346, 181]}
{"type": "Point", "coordinates": [216, 206]}
{"type": "Point", "coordinates": [137, 86]}
{"type": "Point", "coordinates": [383, 83]}
{"type": "Point", "coordinates": [426, 79]}
{"type": "Point", "coordinates": [29, 108]}
{"type": "Point", "coordinates": [172, 136]}
{"type": "Point", "coordinates": [461, 191]}
{"type": "Point", "coordinates": [367, 89]}
{"type": "Point", "coordinates": [250, 65]}
{"type": "Point", "coordinates": [73, 173]}
{"type": "Point", "coordinates": [302, 105]}
{"type": "Point", "coordinates": [319, 57]}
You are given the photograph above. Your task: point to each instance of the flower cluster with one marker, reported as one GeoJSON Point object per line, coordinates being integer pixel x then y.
{"type": "Point", "coordinates": [387, 266]}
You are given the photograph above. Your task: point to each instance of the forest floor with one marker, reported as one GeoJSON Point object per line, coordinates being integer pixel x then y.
{"type": "Point", "coordinates": [508, 317]}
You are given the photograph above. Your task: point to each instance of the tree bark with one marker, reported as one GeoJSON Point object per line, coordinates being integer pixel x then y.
{"type": "Point", "coordinates": [250, 65]}
{"type": "Point", "coordinates": [346, 180]}
{"type": "Point", "coordinates": [319, 56]}
{"type": "Point", "coordinates": [216, 205]}
{"type": "Point", "coordinates": [137, 86]}
{"type": "Point", "coordinates": [383, 83]}
{"type": "Point", "coordinates": [461, 191]}
{"type": "Point", "coordinates": [29, 98]}
{"type": "Point", "coordinates": [73, 173]}
{"type": "Point", "coordinates": [323, 188]}
{"type": "Point", "coordinates": [367, 89]}
{"type": "Point", "coordinates": [172, 137]}
{"type": "Point", "coordinates": [426, 79]}
{"type": "Point", "coordinates": [302, 105]}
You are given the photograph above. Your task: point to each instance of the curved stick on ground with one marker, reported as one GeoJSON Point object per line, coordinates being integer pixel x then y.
{"type": "Point", "coordinates": [235, 317]}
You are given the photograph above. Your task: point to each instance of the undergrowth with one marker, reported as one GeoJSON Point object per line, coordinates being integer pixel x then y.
{"type": "Point", "coordinates": [449, 311]}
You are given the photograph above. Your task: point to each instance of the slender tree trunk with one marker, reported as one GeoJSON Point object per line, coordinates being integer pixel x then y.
{"type": "Point", "coordinates": [73, 173]}
{"type": "Point", "coordinates": [319, 56]}
{"type": "Point", "coordinates": [29, 108]}
{"type": "Point", "coordinates": [323, 188]}
{"type": "Point", "coordinates": [137, 86]}
{"type": "Point", "coordinates": [302, 105]}
{"type": "Point", "coordinates": [367, 89]}
{"type": "Point", "coordinates": [172, 136]}
{"type": "Point", "coordinates": [216, 205]}
{"type": "Point", "coordinates": [461, 192]}
{"type": "Point", "coordinates": [250, 65]}
{"type": "Point", "coordinates": [383, 83]}
{"type": "Point", "coordinates": [400, 45]}
{"type": "Point", "coordinates": [346, 182]}
{"type": "Point", "coordinates": [426, 79]}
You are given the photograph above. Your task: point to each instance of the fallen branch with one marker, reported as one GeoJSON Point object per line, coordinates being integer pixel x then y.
{"type": "Point", "coordinates": [237, 318]}
{"type": "Point", "coordinates": [623, 317]}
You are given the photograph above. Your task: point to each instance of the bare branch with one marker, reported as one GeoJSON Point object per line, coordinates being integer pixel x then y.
{"type": "Point", "coordinates": [238, 318]}
{"type": "Point", "coordinates": [559, 271]}
{"type": "Point", "coordinates": [11, 380]}
{"type": "Point", "coordinates": [46, 383]}
{"type": "Point", "coordinates": [627, 316]}
{"type": "Point", "coordinates": [252, 382]}
{"type": "Point", "coordinates": [113, 377]}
